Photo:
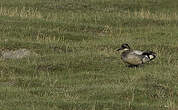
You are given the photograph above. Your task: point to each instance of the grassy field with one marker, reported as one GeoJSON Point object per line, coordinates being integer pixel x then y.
{"type": "Point", "coordinates": [77, 67]}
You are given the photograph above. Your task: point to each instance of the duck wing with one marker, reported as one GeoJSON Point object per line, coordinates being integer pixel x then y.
{"type": "Point", "coordinates": [133, 57]}
{"type": "Point", "coordinates": [150, 55]}
{"type": "Point", "coordinates": [136, 52]}
{"type": "Point", "coordinates": [145, 56]}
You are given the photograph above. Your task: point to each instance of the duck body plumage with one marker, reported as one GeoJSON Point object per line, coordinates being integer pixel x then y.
{"type": "Point", "coordinates": [135, 57]}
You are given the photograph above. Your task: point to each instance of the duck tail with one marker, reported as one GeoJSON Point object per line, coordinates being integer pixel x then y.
{"type": "Point", "coordinates": [150, 54]}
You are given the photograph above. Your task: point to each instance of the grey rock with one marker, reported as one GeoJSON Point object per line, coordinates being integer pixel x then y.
{"type": "Point", "coordinates": [16, 54]}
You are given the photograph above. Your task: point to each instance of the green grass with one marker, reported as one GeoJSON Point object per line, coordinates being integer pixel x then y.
{"type": "Point", "coordinates": [77, 67]}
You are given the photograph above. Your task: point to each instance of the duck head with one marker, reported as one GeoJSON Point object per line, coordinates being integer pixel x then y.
{"type": "Point", "coordinates": [124, 47]}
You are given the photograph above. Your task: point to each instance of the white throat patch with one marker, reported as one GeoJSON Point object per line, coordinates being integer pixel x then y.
{"type": "Point", "coordinates": [125, 49]}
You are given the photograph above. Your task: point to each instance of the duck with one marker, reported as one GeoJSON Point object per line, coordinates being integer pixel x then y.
{"type": "Point", "coordinates": [134, 58]}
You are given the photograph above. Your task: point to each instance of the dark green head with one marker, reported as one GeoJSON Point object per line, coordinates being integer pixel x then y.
{"type": "Point", "coordinates": [124, 47]}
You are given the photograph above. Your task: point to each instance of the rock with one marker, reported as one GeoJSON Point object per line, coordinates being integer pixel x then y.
{"type": "Point", "coordinates": [16, 54]}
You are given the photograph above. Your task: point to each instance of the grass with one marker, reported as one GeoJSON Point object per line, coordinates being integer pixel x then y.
{"type": "Point", "coordinates": [77, 67]}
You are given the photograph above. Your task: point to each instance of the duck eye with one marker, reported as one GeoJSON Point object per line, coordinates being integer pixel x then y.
{"type": "Point", "coordinates": [125, 46]}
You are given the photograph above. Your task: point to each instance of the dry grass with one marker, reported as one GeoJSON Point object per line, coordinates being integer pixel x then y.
{"type": "Point", "coordinates": [23, 12]}
{"type": "Point", "coordinates": [77, 67]}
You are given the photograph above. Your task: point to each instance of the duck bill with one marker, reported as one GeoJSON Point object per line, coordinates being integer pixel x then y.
{"type": "Point", "coordinates": [119, 49]}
